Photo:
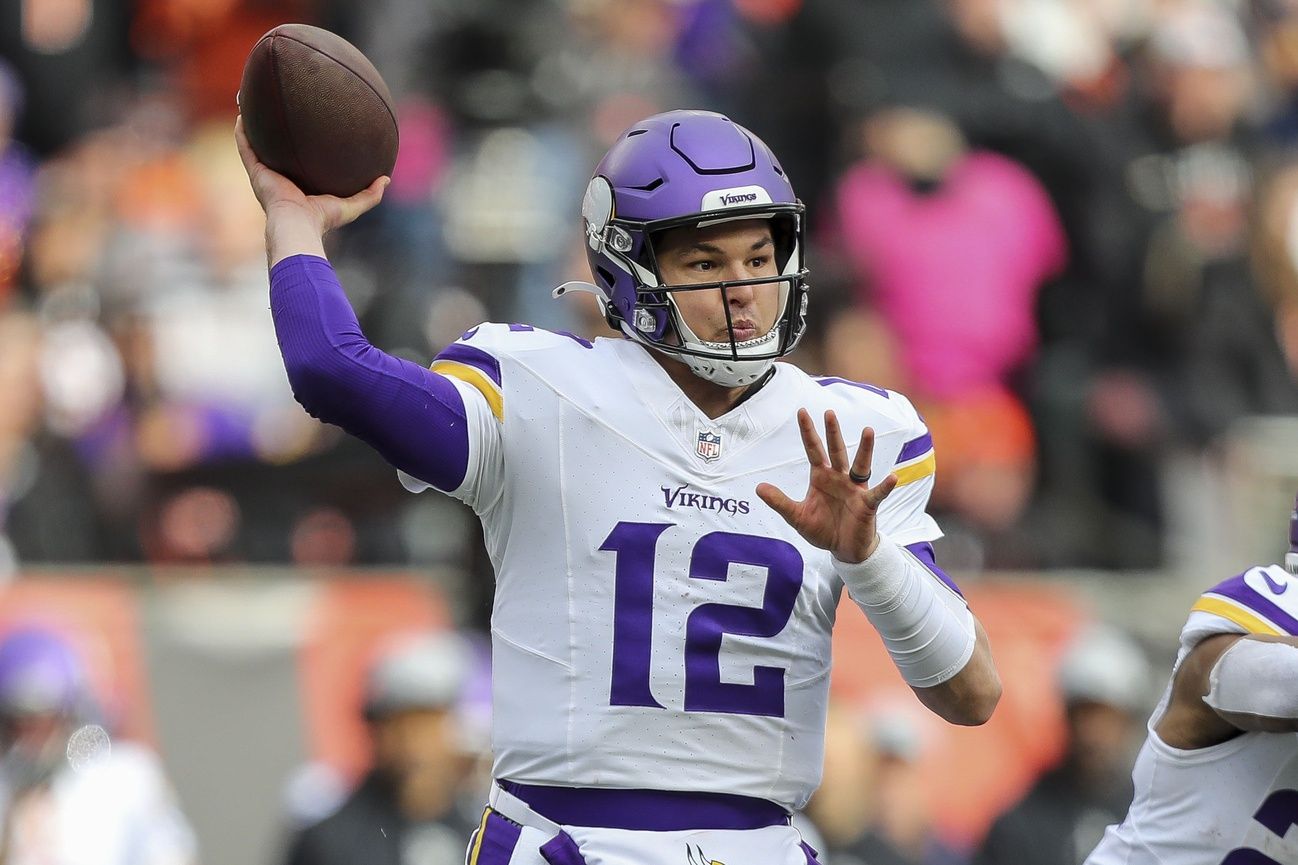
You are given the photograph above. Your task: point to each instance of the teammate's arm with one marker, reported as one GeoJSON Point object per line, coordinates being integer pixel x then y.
{"type": "Point", "coordinates": [415, 418]}
{"type": "Point", "coordinates": [1230, 684]}
{"type": "Point", "coordinates": [933, 638]}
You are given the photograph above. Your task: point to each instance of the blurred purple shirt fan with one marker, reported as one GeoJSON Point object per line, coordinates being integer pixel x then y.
{"type": "Point", "coordinates": [17, 181]}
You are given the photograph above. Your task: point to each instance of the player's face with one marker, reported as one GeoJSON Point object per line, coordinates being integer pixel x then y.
{"type": "Point", "coordinates": [725, 252]}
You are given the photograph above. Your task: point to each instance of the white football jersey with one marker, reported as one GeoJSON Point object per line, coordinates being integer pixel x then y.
{"type": "Point", "coordinates": [655, 624]}
{"type": "Point", "coordinates": [1231, 804]}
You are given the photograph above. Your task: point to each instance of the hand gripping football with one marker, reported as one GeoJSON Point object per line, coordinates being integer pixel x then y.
{"type": "Point", "coordinates": [317, 111]}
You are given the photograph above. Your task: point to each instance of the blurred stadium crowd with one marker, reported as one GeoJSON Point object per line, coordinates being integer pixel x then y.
{"type": "Point", "coordinates": [1067, 228]}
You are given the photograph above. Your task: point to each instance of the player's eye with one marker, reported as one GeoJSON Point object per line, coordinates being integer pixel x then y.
{"type": "Point", "coordinates": [702, 264]}
{"type": "Point", "coordinates": [759, 262]}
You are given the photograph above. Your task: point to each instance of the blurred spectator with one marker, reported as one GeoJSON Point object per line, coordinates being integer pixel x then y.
{"type": "Point", "coordinates": [44, 510]}
{"type": "Point", "coordinates": [869, 808]}
{"type": "Point", "coordinates": [1258, 360]}
{"type": "Point", "coordinates": [407, 809]}
{"type": "Point", "coordinates": [72, 58]}
{"type": "Point", "coordinates": [69, 794]}
{"type": "Point", "coordinates": [1111, 406]}
{"type": "Point", "coordinates": [1104, 681]}
{"type": "Point", "coordinates": [17, 186]}
{"type": "Point", "coordinates": [130, 254]}
{"type": "Point", "coordinates": [1227, 293]}
{"type": "Point", "coordinates": [1276, 23]}
{"type": "Point", "coordinates": [949, 249]}
{"type": "Point", "coordinates": [202, 43]}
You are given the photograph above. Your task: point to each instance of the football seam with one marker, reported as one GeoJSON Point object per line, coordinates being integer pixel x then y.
{"type": "Point", "coordinates": [283, 112]}
{"type": "Point", "coordinates": [358, 76]}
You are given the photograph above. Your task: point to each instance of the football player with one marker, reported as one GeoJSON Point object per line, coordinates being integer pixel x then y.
{"type": "Point", "coordinates": [672, 517]}
{"type": "Point", "coordinates": [1217, 779]}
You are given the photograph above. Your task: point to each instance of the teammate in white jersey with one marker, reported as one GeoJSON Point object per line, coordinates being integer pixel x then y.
{"type": "Point", "coordinates": [1217, 780]}
{"type": "Point", "coordinates": [668, 570]}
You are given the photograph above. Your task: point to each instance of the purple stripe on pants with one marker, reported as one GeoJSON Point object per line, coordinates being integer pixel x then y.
{"type": "Point", "coordinates": [499, 838]}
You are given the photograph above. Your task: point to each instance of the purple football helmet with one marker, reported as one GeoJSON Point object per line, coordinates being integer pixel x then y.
{"type": "Point", "coordinates": [691, 168]}
{"type": "Point", "coordinates": [1291, 558]}
{"type": "Point", "coordinates": [40, 674]}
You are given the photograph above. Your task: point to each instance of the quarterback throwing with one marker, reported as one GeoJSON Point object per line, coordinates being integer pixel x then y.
{"type": "Point", "coordinates": [672, 516]}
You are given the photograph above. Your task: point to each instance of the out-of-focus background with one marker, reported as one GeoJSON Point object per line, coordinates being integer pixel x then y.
{"type": "Point", "coordinates": [1068, 229]}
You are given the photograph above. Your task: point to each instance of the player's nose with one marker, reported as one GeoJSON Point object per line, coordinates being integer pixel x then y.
{"type": "Point", "coordinates": [738, 295]}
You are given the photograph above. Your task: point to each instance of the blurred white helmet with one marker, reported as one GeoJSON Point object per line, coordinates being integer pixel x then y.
{"type": "Point", "coordinates": [425, 672]}
{"type": "Point", "coordinates": [1104, 665]}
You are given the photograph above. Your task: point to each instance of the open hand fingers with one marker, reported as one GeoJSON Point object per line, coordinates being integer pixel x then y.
{"type": "Point", "coordinates": [864, 454]}
{"type": "Point", "coordinates": [875, 495]}
{"type": "Point", "coordinates": [811, 439]}
{"type": "Point", "coordinates": [834, 438]}
{"type": "Point", "coordinates": [777, 501]}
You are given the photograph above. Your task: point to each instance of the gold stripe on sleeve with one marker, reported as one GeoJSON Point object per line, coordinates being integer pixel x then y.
{"type": "Point", "coordinates": [917, 470]}
{"type": "Point", "coordinates": [1236, 613]}
{"type": "Point", "coordinates": [474, 378]}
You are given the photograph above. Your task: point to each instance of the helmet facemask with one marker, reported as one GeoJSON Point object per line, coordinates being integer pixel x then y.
{"type": "Point", "coordinates": [732, 361]}
{"type": "Point", "coordinates": [656, 320]}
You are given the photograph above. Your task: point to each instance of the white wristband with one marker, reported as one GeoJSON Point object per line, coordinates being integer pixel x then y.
{"type": "Point", "coordinates": [926, 627]}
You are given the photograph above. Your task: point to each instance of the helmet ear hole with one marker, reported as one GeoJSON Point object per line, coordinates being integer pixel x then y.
{"type": "Point", "coordinates": [611, 316]}
{"type": "Point", "coordinates": [784, 231]}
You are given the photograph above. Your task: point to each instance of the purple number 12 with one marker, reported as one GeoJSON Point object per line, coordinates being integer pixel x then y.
{"type": "Point", "coordinates": [636, 547]}
{"type": "Point", "coordinates": [1277, 814]}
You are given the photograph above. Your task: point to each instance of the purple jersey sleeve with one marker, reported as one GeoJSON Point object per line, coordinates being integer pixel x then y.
{"type": "Point", "coordinates": [412, 416]}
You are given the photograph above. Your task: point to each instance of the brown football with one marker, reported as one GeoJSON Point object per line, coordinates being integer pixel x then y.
{"type": "Point", "coordinates": [317, 111]}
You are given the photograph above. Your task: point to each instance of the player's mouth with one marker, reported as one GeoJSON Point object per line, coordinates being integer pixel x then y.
{"type": "Point", "coordinates": [741, 330]}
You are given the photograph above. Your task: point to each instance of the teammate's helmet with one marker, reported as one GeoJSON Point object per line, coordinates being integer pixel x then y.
{"type": "Point", "coordinates": [40, 674]}
{"type": "Point", "coordinates": [1291, 559]}
{"type": "Point", "coordinates": [691, 168]}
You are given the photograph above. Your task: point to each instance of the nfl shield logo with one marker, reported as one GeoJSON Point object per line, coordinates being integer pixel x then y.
{"type": "Point", "coordinates": [709, 446]}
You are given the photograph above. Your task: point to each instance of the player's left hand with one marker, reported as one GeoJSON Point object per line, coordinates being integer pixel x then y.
{"type": "Point", "coordinates": [838, 513]}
